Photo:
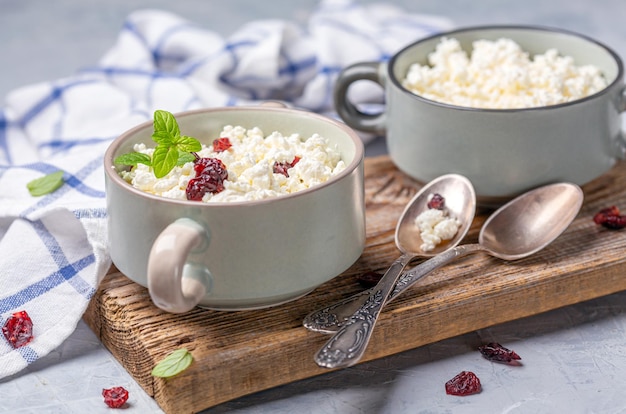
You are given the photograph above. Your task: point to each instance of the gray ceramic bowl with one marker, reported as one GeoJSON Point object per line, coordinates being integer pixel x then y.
{"type": "Point", "coordinates": [503, 152]}
{"type": "Point", "coordinates": [243, 255]}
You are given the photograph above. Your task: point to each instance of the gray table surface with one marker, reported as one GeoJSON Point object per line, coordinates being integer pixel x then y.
{"type": "Point", "coordinates": [574, 357]}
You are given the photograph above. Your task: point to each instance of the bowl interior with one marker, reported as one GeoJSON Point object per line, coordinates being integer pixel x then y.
{"type": "Point", "coordinates": [206, 125]}
{"type": "Point", "coordinates": [533, 40]}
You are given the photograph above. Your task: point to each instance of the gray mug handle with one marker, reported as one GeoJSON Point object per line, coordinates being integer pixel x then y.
{"type": "Point", "coordinates": [351, 115]}
{"type": "Point", "coordinates": [621, 143]}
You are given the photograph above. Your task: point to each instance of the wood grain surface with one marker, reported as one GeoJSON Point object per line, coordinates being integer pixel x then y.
{"type": "Point", "coordinates": [239, 353]}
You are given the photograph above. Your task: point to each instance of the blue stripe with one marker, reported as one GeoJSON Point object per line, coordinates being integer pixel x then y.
{"type": "Point", "coordinates": [66, 270]}
{"type": "Point", "coordinates": [61, 145]}
{"type": "Point", "coordinates": [4, 141]}
{"type": "Point", "coordinates": [67, 273]}
{"type": "Point", "coordinates": [28, 354]}
{"type": "Point", "coordinates": [158, 56]}
{"type": "Point", "coordinates": [130, 26]}
{"type": "Point", "coordinates": [53, 96]}
{"type": "Point", "coordinates": [90, 213]}
{"type": "Point", "coordinates": [229, 49]}
{"type": "Point", "coordinates": [118, 71]}
{"type": "Point", "coordinates": [293, 68]}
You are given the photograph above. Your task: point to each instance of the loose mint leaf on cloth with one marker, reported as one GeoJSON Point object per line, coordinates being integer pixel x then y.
{"type": "Point", "coordinates": [46, 184]}
{"type": "Point", "coordinates": [173, 364]}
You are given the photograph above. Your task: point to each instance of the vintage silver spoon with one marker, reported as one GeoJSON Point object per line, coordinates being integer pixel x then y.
{"type": "Point", "coordinates": [518, 229]}
{"type": "Point", "coordinates": [460, 203]}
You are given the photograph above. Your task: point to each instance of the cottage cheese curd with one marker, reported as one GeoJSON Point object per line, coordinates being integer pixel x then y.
{"type": "Point", "coordinates": [249, 163]}
{"type": "Point", "coordinates": [500, 75]}
{"type": "Point", "coordinates": [435, 226]}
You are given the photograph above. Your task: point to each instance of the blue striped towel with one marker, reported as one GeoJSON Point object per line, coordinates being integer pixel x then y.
{"type": "Point", "coordinates": [53, 248]}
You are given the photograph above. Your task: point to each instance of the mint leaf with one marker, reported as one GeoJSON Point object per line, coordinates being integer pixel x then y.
{"type": "Point", "coordinates": [184, 158]}
{"type": "Point", "coordinates": [165, 126]}
{"type": "Point", "coordinates": [188, 144]}
{"type": "Point", "coordinates": [164, 158]}
{"type": "Point", "coordinates": [133, 158]}
{"type": "Point", "coordinates": [163, 138]}
{"type": "Point", "coordinates": [173, 364]}
{"type": "Point", "coordinates": [46, 184]}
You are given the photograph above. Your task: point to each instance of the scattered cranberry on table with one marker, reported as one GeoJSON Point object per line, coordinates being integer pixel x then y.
{"type": "Point", "coordinates": [115, 397]}
{"type": "Point", "coordinates": [495, 352]}
{"type": "Point", "coordinates": [18, 329]}
{"type": "Point", "coordinates": [611, 218]}
{"type": "Point", "coordinates": [464, 383]}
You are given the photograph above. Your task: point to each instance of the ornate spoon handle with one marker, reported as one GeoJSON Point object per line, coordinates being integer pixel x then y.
{"type": "Point", "coordinates": [331, 318]}
{"type": "Point", "coordinates": [346, 347]}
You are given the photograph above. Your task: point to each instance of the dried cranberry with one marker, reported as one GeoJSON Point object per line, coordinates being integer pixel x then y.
{"type": "Point", "coordinates": [18, 329]}
{"type": "Point", "coordinates": [221, 144]}
{"type": "Point", "coordinates": [437, 202]}
{"type": "Point", "coordinates": [493, 351]}
{"type": "Point", "coordinates": [210, 176]}
{"type": "Point", "coordinates": [610, 218]}
{"type": "Point", "coordinates": [282, 167]}
{"type": "Point", "coordinates": [464, 383]}
{"type": "Point", "coordinates": [369, 279]}
{"type": "Point", "coordinates": [115, 397]}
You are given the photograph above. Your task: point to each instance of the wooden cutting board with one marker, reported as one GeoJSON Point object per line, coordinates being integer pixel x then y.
{"type": "Point", "coordinates": [239, 353]}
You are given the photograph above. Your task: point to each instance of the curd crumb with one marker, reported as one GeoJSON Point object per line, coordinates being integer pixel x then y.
{"type": "Point", "coordinates": [435, 227]}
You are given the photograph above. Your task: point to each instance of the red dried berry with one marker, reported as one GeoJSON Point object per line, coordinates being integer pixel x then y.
{"type": "Point", "coordinates": [464, 383]}
{"type": "Point", "coordinates": [282, 167]}
{"type": "Point", "coordinates": [210, 176]}
{"type": "Point", "coordinates": [18, 329]}
{"type": "Point", "coordinates": [493, 351]}
{"type": "Point", "coordinates": [369, 279]}
{"type": "Point", "coordinates": [610, 218]}
{"type": "Point", "coordinates": [437, 202]}
{"type": "Point", "coordinates": [221, 144]}
{"type": "Point", "coordinates": [115, 397]}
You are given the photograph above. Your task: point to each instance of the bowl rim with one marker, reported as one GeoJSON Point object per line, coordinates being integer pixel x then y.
{"type": "Point", "coordinates": [114, 177]}
{"type": "Point", "coordinates": [534, 28]}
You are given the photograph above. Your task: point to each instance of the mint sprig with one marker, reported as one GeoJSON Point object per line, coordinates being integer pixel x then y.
{"type": "Point", "coordinates": [173, 364]}
{"type": "Point", "coordinates": [46, 184]}
{"type": "Point", "coordinates": [172, 148]}
{"type": "Point", "coordinates": [133, 158]}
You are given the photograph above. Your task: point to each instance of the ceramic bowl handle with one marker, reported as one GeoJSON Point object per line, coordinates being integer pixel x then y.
{"type": "Point", "coordinates": [372, 71]}
{"type": "Point", "coordinates": [621, 143]}
{"type": "Point", "coordinates": [174, 284]}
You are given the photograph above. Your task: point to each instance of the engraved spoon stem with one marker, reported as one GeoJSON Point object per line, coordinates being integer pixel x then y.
{"type": "Point", "coordinates": [331, 318]}
{"type": "Point", "coordinates": [347, 346]}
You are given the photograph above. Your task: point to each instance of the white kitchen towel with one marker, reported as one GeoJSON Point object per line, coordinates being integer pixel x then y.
{"type": "Point", "coordinates": [53, 248]}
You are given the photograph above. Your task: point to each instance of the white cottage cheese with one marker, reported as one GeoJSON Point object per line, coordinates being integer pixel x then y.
{"type": "Point", "coordinates": [249, 163]}
{"type": "Point", "coordinates": [436, 226]}
{"type": "Point", "coordinates": [500, 75]}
